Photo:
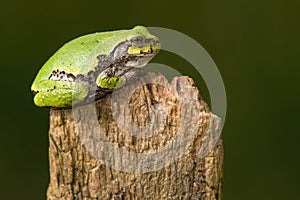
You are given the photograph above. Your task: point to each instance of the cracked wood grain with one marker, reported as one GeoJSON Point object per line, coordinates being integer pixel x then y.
{"type": "Point", "coordinates": [76, 173]}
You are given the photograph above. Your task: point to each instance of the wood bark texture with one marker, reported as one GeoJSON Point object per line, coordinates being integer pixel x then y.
{"type": "Point", "coordinates": [84, 164]}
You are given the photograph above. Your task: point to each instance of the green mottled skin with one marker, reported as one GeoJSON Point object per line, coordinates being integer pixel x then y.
{"type": "Point", "coordinates": [79, 56]}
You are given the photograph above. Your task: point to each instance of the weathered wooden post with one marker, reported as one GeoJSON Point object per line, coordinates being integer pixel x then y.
{"type": "Point", "coordinates": [84, 163]}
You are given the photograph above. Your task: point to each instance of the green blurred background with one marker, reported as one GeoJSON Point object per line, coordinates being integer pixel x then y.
{"type": "Point", "coordinates": [254, 44]}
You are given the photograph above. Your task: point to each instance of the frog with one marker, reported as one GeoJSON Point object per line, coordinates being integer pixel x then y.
{"type": "Point", "coordinates": [91, 66]}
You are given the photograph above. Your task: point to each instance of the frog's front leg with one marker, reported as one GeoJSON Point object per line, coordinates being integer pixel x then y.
{"type": "Point", "coordinates": [111, 78]}
{"type": "Point", "coordinates": [59, 94]}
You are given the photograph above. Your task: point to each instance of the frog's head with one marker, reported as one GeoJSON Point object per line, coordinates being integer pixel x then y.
{"type": "Point", "coordinates": [139, 47]}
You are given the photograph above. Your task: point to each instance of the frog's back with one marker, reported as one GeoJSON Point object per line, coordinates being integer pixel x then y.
{"type": "Point", "coordinates": [79, 56]}
{"type": "Point", "coordinates": [72, 57]}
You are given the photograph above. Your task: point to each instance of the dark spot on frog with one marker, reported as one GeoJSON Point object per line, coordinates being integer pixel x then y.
{"type": "Point", "coordinates": [110, 72]}
{"type": "Point", "coordinates": [80, 76]}
{"type": "Point", "coordinates": [151, 49]}
{"type": "Point", "coordinates": [90, 73]}
{"type": "Point", "coordinates": [61, 75]}
{"type": "Point", "coordinates": [34, 92]}
{"type": "Point", "coordinates": [71, 76]}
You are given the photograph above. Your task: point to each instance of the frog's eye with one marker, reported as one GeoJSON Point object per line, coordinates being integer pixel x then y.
{"type": "Point", "coordinates": [137, 40]}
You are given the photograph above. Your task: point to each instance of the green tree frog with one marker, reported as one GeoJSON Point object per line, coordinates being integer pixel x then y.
{"type": "Point", "coordinates": [91, 66]}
